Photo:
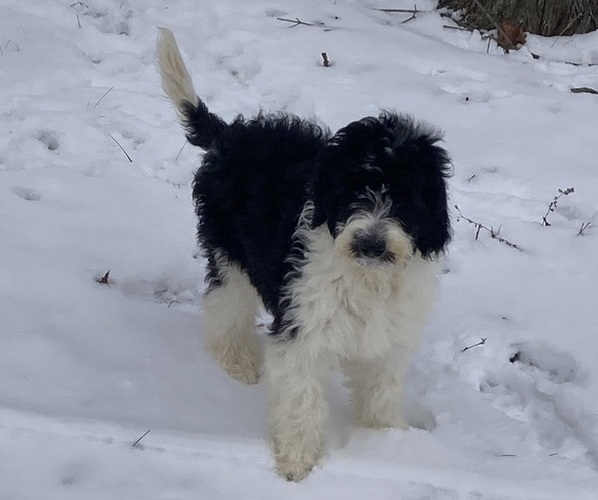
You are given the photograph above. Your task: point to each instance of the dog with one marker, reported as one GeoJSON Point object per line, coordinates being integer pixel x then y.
{"type": "Point", "coordinates": [336, 235]}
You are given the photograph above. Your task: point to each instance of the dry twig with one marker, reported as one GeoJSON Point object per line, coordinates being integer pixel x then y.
{"type": "Point", "coordinates": [141, 437]}
{"type": "Point", "coordinates": [586, 90]}
{"type": "Point", "coordinates": [554, 203]}
{"type": "Point", "coordinates": [494, 233]}
{"type": "Point", "coordinates": [402, 11]}
{"type": "Point", "coordinates": [104, 280]}
{"type": "Point", "coordinates": [413, 12]}
{"type": "Point", "coordinates": [103, 95]}
{"type": "Point", "coordinates": [481, 342]}
{"type": "Point", "coordinates": [122, 149]}
{"type": "Point", "coordinates": [296, 22]}
{"type": "Point", "coordinates": [460, 28]}
{"type": "Point", "coordinates": [583, 227]}
{"type": "Point", "coordinates": [566, 28]}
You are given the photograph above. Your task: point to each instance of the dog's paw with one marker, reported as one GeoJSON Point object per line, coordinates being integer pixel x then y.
{"type": "Point", "coordinates": [294, 472]}
{"type": "Point", "coordinates": [240, 358]}
{"type": "Point", "coordinates": [246, 371]}
{"type": "Point", "coordinates": [295, 462]}
{"type": "Point", "coordinates": [378, 423]}
{"type": "Point", "coordinates": [380, 416]}
{"type": "Point", "coordinates": [294, 469]}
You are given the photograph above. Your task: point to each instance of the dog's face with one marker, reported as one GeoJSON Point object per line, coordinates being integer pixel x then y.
{"type": "Point", "coordinates": [380, 187]}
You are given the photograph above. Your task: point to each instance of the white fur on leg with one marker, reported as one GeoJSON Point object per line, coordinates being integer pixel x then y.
{"type": "Point", "coordinates": [229, 319]}
{"type": "Point", "coordinates": [298, 407]}
{"type": "Point", "coordinates": [377, 389]}
{"type": "Point", "coordinates": [343, 311]}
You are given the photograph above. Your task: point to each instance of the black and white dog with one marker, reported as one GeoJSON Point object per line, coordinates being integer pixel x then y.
{"type": "Point", "coordinates": [335, 234]}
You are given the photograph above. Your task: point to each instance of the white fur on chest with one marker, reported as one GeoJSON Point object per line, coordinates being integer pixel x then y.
{"type": "Point", "coordinates": [356, 312]}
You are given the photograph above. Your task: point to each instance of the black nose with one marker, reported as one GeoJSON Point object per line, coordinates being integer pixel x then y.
{"type": "Point", "coordinates": [369, 246]}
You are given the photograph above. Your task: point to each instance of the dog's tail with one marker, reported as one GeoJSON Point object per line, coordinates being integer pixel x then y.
{"type": "Point", "coordinates": [201, 126]}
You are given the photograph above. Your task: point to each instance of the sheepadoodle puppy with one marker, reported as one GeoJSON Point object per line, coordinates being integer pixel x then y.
{"type": "Point", "coordinates": [335, 234]}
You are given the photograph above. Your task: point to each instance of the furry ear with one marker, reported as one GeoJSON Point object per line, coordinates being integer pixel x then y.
{"type": "Point", "coordinates": [325, 193]}
{"type": "Point", "coordinates": [415, 148]}
{"type": "Point", "coordinates": [320, 191]}
{"type": "Point", "coordinates": [323, 210]}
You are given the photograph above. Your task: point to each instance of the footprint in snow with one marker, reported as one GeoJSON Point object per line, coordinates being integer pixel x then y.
{"type": "Point", "coordinates": [27, 193]}
{"type": "Point", "coordinates": [558, 367]}
{"type": "Point", "coordinates": [49, 138]}
{"type": "Point", "coordinates": [159, 290]}
{"type": "Point", "coordinates": [533, 389]}
{"type": "Point", "coordinates": [109, 21]}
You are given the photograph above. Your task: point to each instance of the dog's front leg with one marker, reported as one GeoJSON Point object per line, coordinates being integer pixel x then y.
{"type": "Point", "coordinates": [377, 389]}
{"type": "Point", "coordinates": [298, 408]}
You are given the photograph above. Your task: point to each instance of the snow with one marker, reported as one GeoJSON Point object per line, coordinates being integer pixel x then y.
{"type": "Point", "coordinates": [86, 369]}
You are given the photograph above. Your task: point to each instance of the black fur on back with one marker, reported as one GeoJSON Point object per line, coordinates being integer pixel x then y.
{"type": "Point", "coordinates": [250, 191]}
{"type": "Point", "coordinates": [257, 175]}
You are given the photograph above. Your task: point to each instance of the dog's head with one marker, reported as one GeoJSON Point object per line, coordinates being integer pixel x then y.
{"type": "Point", "coordinates": [380, 187]}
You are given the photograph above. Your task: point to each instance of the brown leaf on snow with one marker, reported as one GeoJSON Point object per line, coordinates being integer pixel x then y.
{"type": "Point", "coordinates": [510, 35]}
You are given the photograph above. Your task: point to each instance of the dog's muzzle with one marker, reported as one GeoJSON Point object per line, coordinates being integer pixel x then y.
{"type": "Point", "coordinates": [371, 249]}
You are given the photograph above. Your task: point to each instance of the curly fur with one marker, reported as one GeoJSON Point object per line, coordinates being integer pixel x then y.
{"type": "Point", "coordinates": [335, 234]}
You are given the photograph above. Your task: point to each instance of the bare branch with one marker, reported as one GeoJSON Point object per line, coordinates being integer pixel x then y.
{"type": "Point", "coordinates": [413, 12]}
{"type": "Point", "coordinates": [566, 28]}
{"type": "Point", "coordinates": [586, 90]}
{"type": "Point", "coordinates": [554, 203]}
{"type": "Point", "coordinates": [103, 95]}
{"type": "Point", "coordinates": [481, 342]}
{"type": "Point", "coordinates": [296, 22]}
{"type": "Point", "coordinates": [494, 233]}
{"type": "Point", "coordinates": [583, 227]}
{"type": "Point", "coordinates": [122, 149]}
{"type": "Point", "coordinates": [460, 28]}
{"type": "Point", "coordinates": [402, 11]}
{"type": "Point", "coordinates": [141, 437]}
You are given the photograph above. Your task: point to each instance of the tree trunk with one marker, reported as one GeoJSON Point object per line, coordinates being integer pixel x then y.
{"type": "Point", "coordinates": [542, 17]}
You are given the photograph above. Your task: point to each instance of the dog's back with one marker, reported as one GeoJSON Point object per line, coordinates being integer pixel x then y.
{"type": "Point", "coordinates": [254, 178]}
{"type": "Point", "coordinates": [336, 235]}
{"type": "Point", "coordinates": [249, 192]}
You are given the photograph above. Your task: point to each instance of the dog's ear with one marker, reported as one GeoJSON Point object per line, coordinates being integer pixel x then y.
{"type": "Point", "coordinates": [325, 193]}
{"type": "Point", "coordinates": [424, 167]}
{"type": "Point", "coordinates": [323, 200]}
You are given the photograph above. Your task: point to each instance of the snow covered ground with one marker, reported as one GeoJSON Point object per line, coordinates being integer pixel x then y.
{"type": "Point", "coordinates": [86, 369]}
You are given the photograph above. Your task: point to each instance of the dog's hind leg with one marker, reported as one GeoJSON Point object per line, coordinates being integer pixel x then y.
{"type": "Point", "coordinates": [377, 389]}
{"type": "Point", "coordinates": [298, 408]}
{"type": "Point", "coordinates": [229, 309]}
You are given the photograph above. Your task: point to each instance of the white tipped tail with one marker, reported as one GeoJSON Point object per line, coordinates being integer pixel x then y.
{"type": "Point", "coordinates": [176, 80]}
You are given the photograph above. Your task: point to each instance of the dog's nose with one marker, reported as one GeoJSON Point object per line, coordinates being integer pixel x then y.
{"type": "Point", "coordinates": [370, 247]}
